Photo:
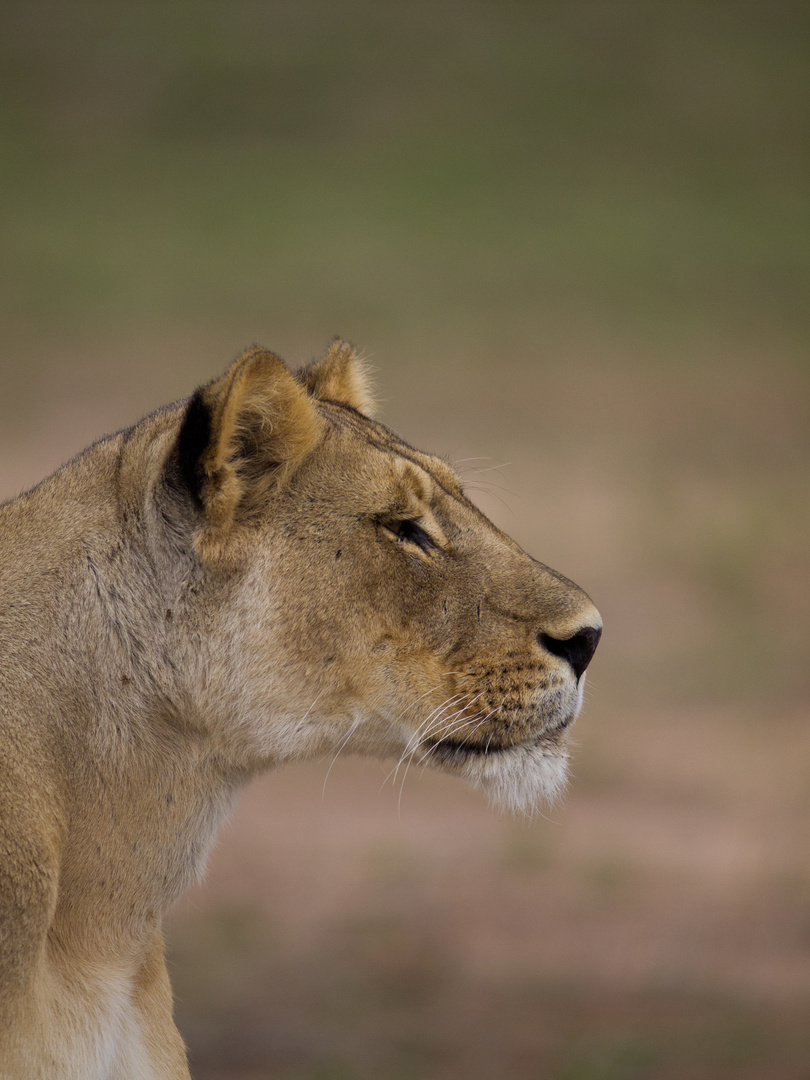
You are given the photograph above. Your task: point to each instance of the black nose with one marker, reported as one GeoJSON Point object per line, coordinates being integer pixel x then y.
{"type": "Point", "coordinates": [577, 650]}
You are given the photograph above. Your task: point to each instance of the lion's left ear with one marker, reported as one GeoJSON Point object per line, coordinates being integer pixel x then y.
{"type": "Point", "coordinates": [340, 376]}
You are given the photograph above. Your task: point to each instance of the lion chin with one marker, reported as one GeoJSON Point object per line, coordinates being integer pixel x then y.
{"type": "Point", "coordinates": [519, 778]}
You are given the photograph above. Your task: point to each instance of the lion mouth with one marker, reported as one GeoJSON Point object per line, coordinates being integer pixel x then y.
{"type": "Point", "coordinates": [456, 751]}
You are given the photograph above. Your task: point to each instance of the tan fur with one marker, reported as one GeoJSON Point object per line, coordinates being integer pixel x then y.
{"type": "Point", "coordinates": [256, 575]}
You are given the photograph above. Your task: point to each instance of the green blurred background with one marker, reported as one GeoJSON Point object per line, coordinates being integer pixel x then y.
{"type": "Point", "coordinates": [573, 239]}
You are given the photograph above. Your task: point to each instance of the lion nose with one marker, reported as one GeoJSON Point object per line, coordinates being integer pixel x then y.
{"type": "Point", "coordinates": [577, 650]}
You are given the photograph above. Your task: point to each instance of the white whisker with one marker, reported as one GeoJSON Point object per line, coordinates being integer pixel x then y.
{"type": "Point", "coordinates": [340, 748]}
{"type": "Point", "coordinates": [433, 719]}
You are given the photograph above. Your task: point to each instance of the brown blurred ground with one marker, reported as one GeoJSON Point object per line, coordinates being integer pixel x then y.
{"type": "Point", "coordinates": [572, 239]}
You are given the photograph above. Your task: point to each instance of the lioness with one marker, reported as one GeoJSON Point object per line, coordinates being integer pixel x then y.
{"type": "Point", "coordinates": [257, 574]}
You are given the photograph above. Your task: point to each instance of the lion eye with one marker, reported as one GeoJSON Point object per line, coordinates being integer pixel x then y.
{"type": "Point", "coordinates": [409, 530]}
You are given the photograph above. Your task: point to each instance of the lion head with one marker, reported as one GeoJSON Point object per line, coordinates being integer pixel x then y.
{"type": "Point", "coordinates": [354, 597]}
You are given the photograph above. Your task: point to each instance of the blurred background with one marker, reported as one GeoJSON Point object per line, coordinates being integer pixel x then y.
{"type": "Point", "coordinates": [573, 240]}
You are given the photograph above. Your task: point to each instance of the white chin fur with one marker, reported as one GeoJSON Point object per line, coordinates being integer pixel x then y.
{"type": "Point", "coordinates": [520, 779]}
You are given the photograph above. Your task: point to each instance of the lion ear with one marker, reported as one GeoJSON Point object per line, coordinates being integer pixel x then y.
{"type": "Point", "coordinates": [340, 376]}
{"type": "Point", "coordinates": [241, 437]}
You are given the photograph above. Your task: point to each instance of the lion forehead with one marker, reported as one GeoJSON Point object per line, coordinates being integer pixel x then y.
{"type": "Point", "coordinates": [403, 460]}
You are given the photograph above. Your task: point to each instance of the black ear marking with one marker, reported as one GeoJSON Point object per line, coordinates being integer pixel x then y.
{"type": "Point", "coordinates": [192, 441]}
